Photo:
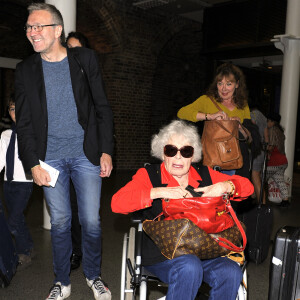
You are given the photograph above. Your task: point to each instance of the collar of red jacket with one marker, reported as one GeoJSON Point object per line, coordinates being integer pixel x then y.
{"type": "Point", "coordinates": [167, 178]}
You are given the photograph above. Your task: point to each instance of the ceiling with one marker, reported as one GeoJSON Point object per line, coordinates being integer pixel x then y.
{"type": "Point", "coordinates": [263, 63]}
{"type": "Point", "coordinates": [178, 6]}
{"type": "Point", "coordinates": [193, 9]}
{"type": "Point", "coordinates": [12, 15]}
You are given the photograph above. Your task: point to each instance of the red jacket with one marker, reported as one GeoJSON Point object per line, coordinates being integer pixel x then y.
{"type": "Point", "coordinates": [135, 195]}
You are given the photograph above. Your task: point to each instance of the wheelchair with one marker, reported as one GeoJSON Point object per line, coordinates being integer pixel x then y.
{"type": "Point", "coordinates": [134, 277]}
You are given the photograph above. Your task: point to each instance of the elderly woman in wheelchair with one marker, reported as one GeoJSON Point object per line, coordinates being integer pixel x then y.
{"type": "Point", "coordinates": [178, 146]}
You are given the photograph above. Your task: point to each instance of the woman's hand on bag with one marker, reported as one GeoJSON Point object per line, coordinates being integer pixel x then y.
{"type": "Point", "coordinates": [215, 190]}
{"type": "Point", "coordinates": [220, 115]}
{"type": "Point", "coordinates": [176, 192]}
{"type": "Point", "coordinates": [236, 119]}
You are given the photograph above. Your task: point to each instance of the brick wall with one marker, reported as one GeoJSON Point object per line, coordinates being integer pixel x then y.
{"type": "Point", "coordinates": [151, 62]}
{"type": "Point", "coordinates": [150, 65]}
{"type": "Point", "coordinates": [152, 69]}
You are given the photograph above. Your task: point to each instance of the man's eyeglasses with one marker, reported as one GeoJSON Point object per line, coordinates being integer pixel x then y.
{"type": "Point", "coordinates": [185, 151]}
{"type": "Point", "coordinates": [37, 28]}
{"type": "Point", "coordinates": [11, 109]}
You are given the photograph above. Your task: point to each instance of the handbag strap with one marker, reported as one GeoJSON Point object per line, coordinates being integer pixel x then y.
{"type": "Point", "coordinates": [219, 123]}
{"type": "Point", "coordinates": [224, 128]}
{"type": "Point", "coordinates": [216, 104]}
{"type": "Point", "coordinates": [227, 244]}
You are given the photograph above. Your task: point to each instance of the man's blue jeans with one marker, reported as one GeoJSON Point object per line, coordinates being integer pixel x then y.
{"type": "Point", "coordinates": [16, 196]}
{"type": "Point", "coordinates": [87, 183]}
{"type": "Point", "coordinates": [184, 276]}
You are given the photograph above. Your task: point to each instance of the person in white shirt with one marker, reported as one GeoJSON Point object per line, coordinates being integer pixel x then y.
{"type": "Point", "coordinates": [17, 191]}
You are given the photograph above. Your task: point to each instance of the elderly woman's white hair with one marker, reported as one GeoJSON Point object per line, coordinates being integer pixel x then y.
{"type": "Point", "coordinates": [179, 128]}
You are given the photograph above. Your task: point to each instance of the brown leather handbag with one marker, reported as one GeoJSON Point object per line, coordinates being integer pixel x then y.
{"type": "Point", "coordinates": [220, 144]}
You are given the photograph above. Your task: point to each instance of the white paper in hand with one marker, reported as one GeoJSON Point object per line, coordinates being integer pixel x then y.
{"type": "Point", "coordinates": [52, 172]}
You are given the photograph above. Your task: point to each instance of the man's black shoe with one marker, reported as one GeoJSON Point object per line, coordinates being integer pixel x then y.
{"type": "Point", "coordinates": [75, 261]}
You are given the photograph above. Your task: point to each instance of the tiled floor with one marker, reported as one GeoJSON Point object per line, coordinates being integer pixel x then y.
{"type": "Point", "coordinates": [35, 281]}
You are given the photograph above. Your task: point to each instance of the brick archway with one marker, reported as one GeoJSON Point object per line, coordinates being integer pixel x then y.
{"type": "Point", "coordinates": [100, 24]}
{"type": "Point", "coordinates": [182, 69]}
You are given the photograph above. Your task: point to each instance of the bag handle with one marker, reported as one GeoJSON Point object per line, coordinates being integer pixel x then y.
{"type": "Point", "coordinates": [224, 242]}
{"type": "Point", "coordinates": [219, 123]}
{"type": "Point", "coordinates": [223, 127]}
{"type": "Point", "coordinates": [216, 104]}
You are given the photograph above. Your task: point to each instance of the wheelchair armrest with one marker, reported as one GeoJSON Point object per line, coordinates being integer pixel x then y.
{"type": "Point", "coordinates": [137, 217]}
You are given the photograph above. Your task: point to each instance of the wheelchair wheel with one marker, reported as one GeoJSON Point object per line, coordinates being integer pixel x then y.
{"type": "Point", "coordinates": [242, 292]}
{"type": "Point", "coordinates": [128, 252]}
{"type": "Point", "coordinates": [130, 255]}
{"type": "Point", "coordinates": [124, 267]}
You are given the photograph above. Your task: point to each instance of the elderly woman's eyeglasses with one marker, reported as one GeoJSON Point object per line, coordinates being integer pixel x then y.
{"type": "Point", "coordinates": [37, 28]}
{"type": "Point", "coordinates": [185, 151]}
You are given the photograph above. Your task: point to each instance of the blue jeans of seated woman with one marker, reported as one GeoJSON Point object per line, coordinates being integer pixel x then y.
{"type": "Point", "coordinates": [87, 183]}
{"type": "Point", "coordinates": [16, 196]}
{"type": "Point", "coordinates": [184, 276]}
{"type": "Point", "coordinates": [228, 172]}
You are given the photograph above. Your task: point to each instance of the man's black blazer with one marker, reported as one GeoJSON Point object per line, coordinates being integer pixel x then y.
{"type": "Point", "coordinates": [94, 115]}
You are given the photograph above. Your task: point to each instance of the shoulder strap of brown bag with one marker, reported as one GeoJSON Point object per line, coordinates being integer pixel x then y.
{"type": "Point", "coordinates": [219, 123]}
{"type": "Point", "coordinates": [215, 103]}
{"type": "Point", "coordinates": [224, 128]}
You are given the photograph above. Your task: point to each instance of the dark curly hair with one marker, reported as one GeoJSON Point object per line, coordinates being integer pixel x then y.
{"type": "Point", "coordinates": [240, 96]}
{"type": "Point", "coordinates": [80, 37]}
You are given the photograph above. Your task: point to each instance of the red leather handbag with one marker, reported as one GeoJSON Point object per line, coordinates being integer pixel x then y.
{"type": "Point", "coordinates": [212, 214]}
